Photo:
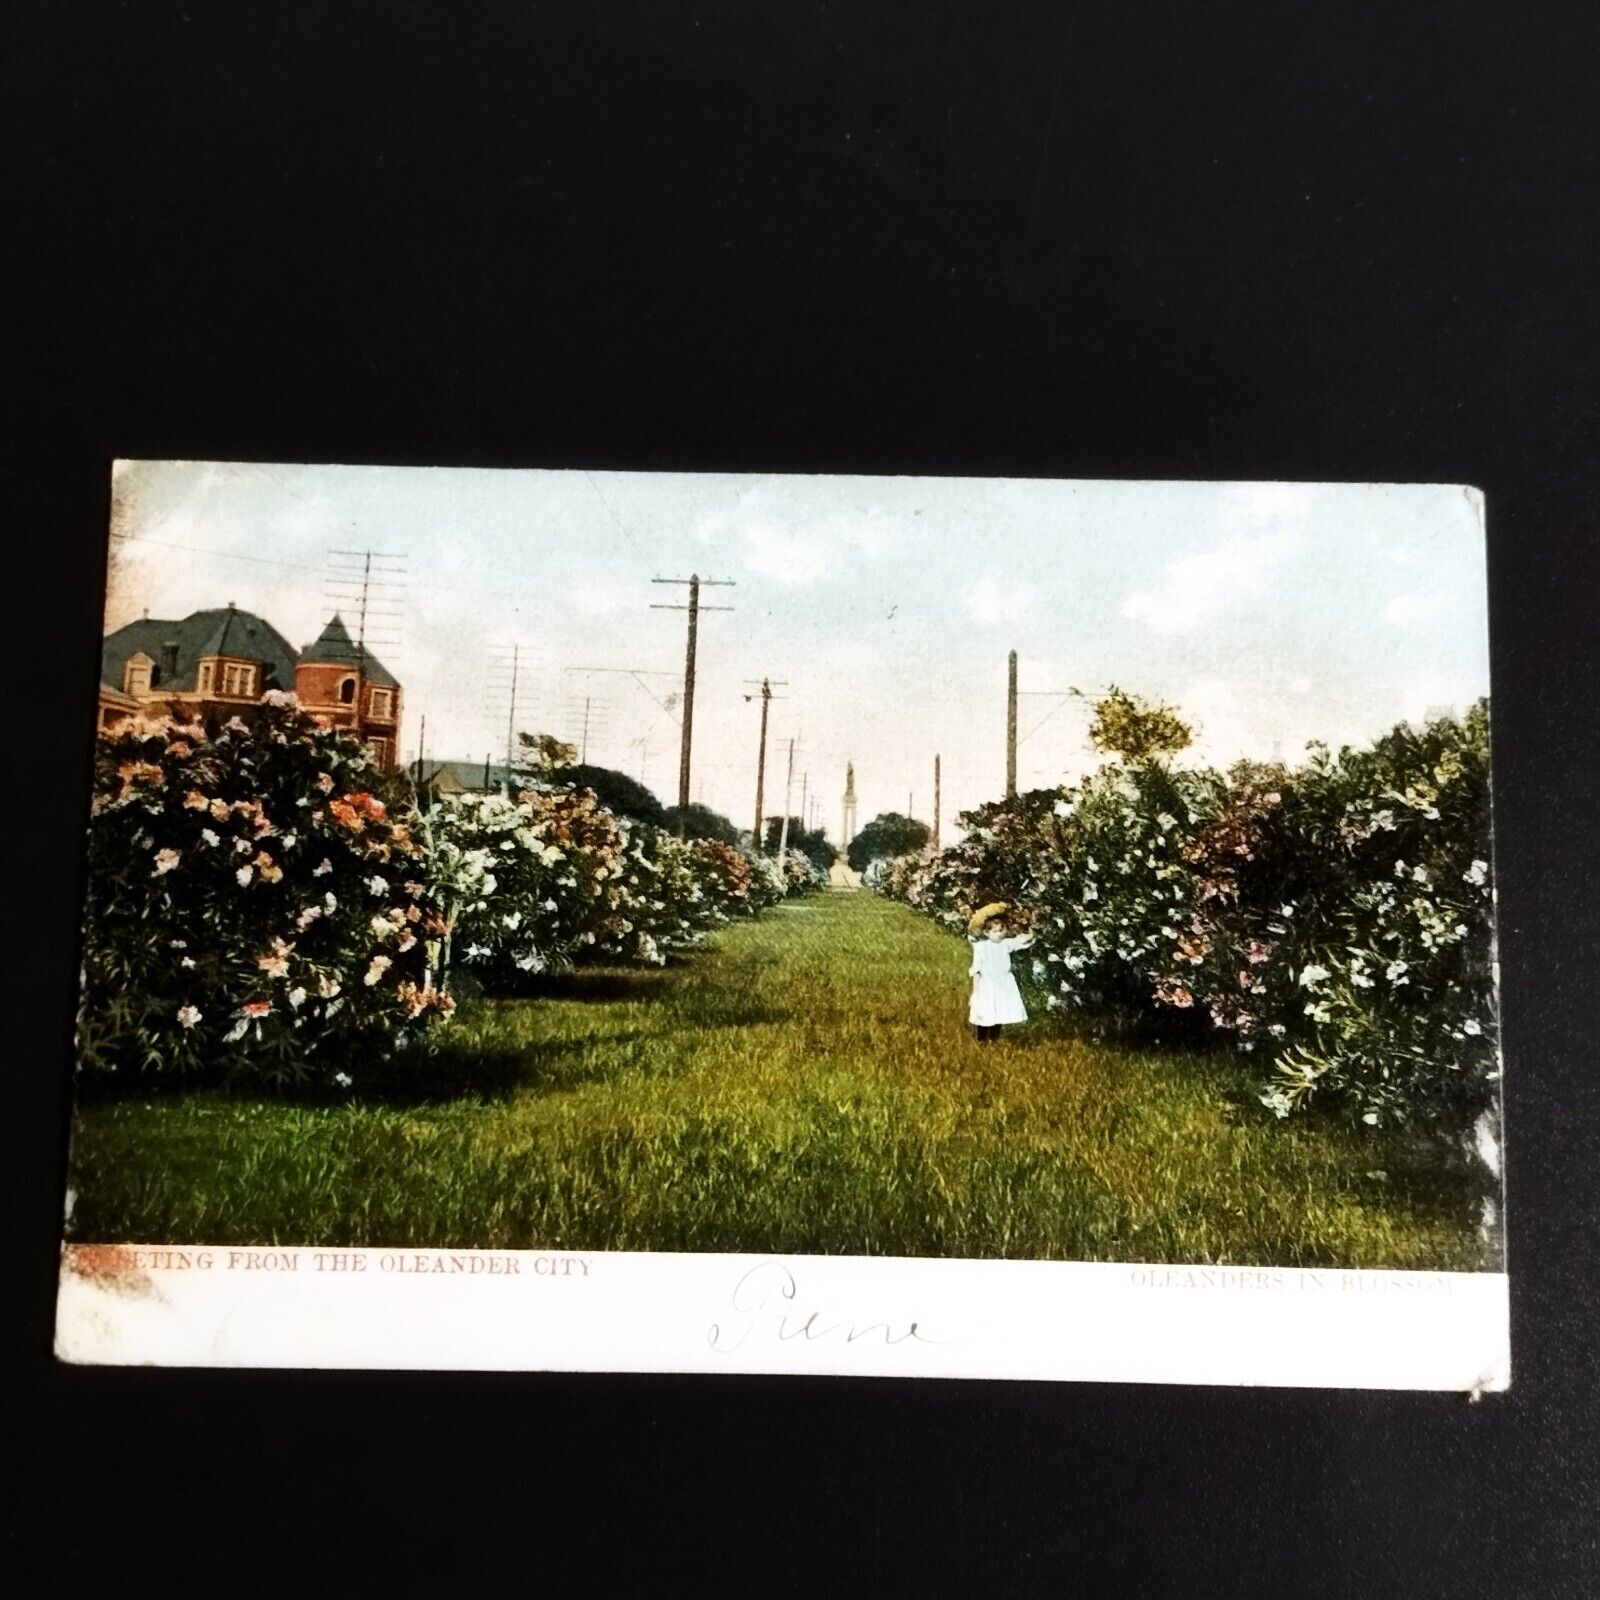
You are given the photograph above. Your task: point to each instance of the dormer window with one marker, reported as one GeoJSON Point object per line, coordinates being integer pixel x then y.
{"type": "Point", "coordinates": [138, 673]}
{"type": "Point", "coordinates": [238, 678]}
{"type": "Point", "coordinates": [381, 704]}
{"type": "Point", "coordinates": [208, 672]}
{"type": "Point", "coordinates": [347, 691]}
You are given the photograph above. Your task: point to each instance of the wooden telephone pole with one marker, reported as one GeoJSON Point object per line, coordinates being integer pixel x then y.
{"type": "Point", "coordinates": [1011, 725]}
{"type": "Point", "coordinates": [694, 608]}
{"type": "Point", "coordinates": [767, 698]}
{"type": "Point", "coordinates": [937, 797]}
{"type": "Point", "coordinates": [788, 793]}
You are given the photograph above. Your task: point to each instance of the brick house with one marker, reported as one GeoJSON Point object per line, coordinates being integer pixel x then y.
{"type": "Point", "coordinates": [345, 686]}
{"type": "Point", "coordinates": [215, 664]}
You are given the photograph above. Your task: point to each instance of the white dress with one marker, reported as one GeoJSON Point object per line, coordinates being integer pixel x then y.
{"type": "Point", "coordinates": [995, 995]}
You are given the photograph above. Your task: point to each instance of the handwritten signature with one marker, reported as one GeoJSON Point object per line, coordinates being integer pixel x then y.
{"type": "Point", "coordinates": [764, 1302]}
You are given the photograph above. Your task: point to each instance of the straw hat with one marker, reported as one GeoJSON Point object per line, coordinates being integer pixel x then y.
{"type": "Point", "coordinates": [985, 914]}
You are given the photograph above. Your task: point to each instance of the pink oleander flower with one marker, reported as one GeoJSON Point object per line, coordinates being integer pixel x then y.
{"type": "Point", "coordinates": [166, 860]}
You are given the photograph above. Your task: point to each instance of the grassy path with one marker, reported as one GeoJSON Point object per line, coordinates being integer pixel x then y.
{"type": "Point", "coordinates": [807, 1084]}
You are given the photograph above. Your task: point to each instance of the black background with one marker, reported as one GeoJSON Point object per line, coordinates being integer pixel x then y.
{"type": "Point", "coordinates": [1229, 241]}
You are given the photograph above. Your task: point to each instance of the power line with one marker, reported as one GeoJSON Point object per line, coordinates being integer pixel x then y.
{"type": "Point", "coordinates": [639, 674]}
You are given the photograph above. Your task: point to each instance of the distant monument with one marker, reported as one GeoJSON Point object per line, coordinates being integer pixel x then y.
{"type": "Point", "coordinates": [841, 875]}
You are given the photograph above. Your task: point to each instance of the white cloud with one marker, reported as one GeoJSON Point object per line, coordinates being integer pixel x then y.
{"type": "Point", "coordinates": [992, 601]}
{"type": "Point", "coordinates": [802, 550]}
{"type": "Point", "coordinates": [1405, 610]}
{"type": "Point", "coordinates": [785, 557]}
{"type": "Point", "coordinates": [872, 532]}
{"type": "Point", "coordinates": [1199, 586]}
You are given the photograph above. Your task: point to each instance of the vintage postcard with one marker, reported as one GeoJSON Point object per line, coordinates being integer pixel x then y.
{"type": "Point", "coordinates": [712, 923]}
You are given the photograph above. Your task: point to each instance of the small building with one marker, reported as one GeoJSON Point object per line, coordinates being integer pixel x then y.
{"type": "Point", "coordinates": [216, 664]}
{"type": "Point", "coordinates": [444, 779]}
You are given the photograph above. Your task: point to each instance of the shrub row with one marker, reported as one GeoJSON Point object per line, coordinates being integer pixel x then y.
{"type": "Point", "coordinates": [1332, 921]}
{"type": "Point", "coordinates": [262, 901]}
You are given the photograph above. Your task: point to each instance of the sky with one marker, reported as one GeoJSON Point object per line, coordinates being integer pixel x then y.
{"type": "Point", "coordinates": [881, 609]}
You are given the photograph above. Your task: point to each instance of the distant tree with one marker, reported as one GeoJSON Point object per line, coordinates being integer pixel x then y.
{"type": "Point", "coordinates": [813, 843]}
{"type": "Point", "coordinates": [696, 821]}
{"type": "Point", "coordinates": [1137, 729]}
{"type": "Point", "coordinates": [617, 792]}
{"type": "Point", "coordinates": [543, 752]}
{"type": "Point", "coordinates": [887, 836]}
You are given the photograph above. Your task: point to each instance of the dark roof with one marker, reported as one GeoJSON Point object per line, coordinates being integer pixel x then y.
{"type": "Point", "coordinates": [223, 631]}
{"type": "Point", "coordinates": [335, 645]}
{"type": "Point", "coordinates": [468, 774]}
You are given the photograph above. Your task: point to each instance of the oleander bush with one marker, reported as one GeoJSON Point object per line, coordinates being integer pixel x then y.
{"type": "Point", "coordinates": [264, 903]}
{"type": "Point", "coordinates": [525, 883]}
{"type": "Point", "coordinates": [256, 903]}
{"type": "Point", "coordinates": [1332, 922]}
{"type": "Point", "coordinates": [553, 878]}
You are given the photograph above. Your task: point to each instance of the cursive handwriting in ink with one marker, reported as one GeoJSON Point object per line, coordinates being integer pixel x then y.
{"type": "Point", "coordinates": [764, 1302]}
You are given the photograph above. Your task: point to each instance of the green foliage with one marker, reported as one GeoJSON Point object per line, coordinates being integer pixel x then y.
{"type": "Point", "coordinates": [616, 791]}
{"type": "Point", "coordinates": [696, 821]}
{"type": "Point", "coordinates": [807, 1085]}
{"type": "Point", "coordinates": [812, 843]}
{"type": "Point", "coordinates": [543, 753]}
{"type": "Point", "coordinates": [1136, 729]}
{"type": "Point", "coordinates": [1334, 923]}
{"type": "Point", "coordinates": [554, 877]}
{"type": "Point", "coordinates": [256, 903]}
{"type": "Point", "coordinates": [887, 836]}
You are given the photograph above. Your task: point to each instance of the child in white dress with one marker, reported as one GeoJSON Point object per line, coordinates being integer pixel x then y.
{"type": "Point", "coordinates": [996, 999]}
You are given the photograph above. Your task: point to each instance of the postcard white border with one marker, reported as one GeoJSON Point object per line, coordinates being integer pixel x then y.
{"type": "Point", "coordinates": [600, 1311]}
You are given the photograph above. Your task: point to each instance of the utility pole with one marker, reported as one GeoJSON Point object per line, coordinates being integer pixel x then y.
{"type": "Point", "coordinates": [1011, 725]}
{"type": "Point", "coordinates": [511, 674]}
{"type": "Point", "coordinates": [937, 797]}
{"type": "Point", "coordinates": [694, 581]}
{"type": "Point", "coordinates": [805, 814]}
{"type": "Point", "coordinates": [511, 717]}
{"type": "Point", "coordinates": [788, 790]}
{"type": "Point", "coordinates": [767, 698]}
{"type": "Point", "coordinates": [416, 776]}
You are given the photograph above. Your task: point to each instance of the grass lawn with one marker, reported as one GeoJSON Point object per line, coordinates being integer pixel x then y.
{"type": "Point", "coordinates": [807, 1084]}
